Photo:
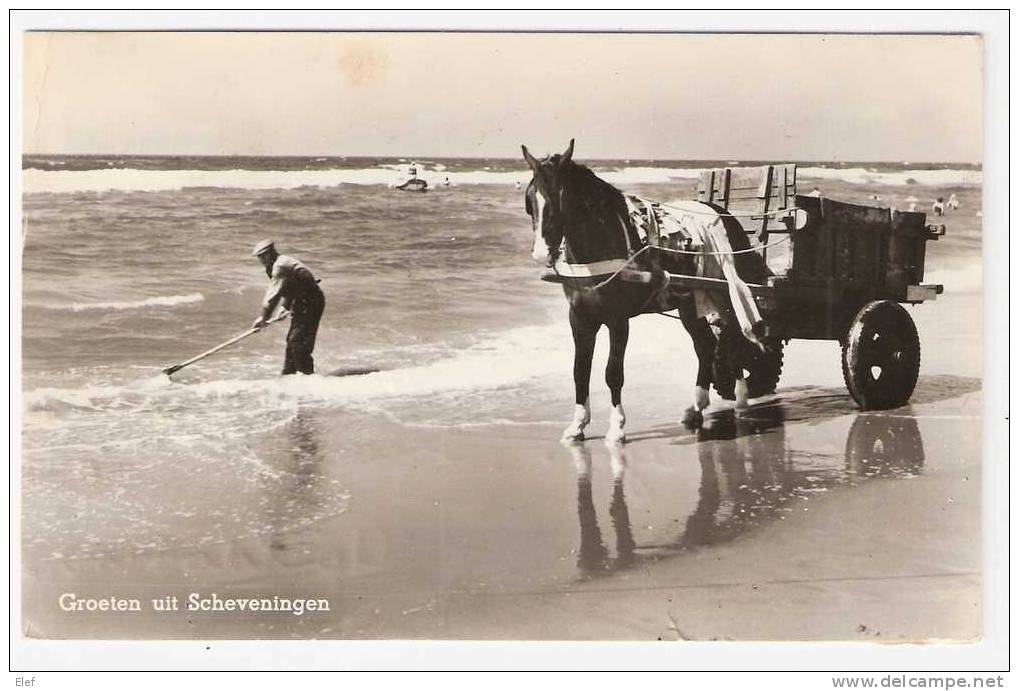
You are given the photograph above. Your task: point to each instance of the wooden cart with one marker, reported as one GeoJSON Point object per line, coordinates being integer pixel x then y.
{"type": "Point", "coordinates": [843, 275]}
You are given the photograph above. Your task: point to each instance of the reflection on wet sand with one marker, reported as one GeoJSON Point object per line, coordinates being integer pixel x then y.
{"type": "Point", "coordinates": [593, 555]}
{"type": "Point", "coordinates": [879, 446]}
{"type": "Point", "coordinates": [750, 473]}
{"type": "Point", "coordinates": [302, 468]}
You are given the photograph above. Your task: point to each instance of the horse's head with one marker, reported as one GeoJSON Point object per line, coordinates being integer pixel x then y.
{"type": "Point", "coordinates": [544, 201]}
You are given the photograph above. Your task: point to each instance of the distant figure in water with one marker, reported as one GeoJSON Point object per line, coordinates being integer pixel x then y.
{"type": "Point", "coordinates": [518, 184]}
{"type": "Point", "coordinates": [292, 285]}
{"type": "Point", "coordinates": [953, 202]}
{"type": "Point", "coordinates": [815, 192]}
{"type": "Point", "coordinates": [445, 181]}
{"type": "Point", "coordinates": [939, 206]}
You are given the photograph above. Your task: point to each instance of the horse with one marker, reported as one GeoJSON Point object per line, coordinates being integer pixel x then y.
{"type": "Point", "coordinates": [585, 220]}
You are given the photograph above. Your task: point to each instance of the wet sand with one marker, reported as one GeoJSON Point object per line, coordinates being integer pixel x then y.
{"type": "Point", "coordinates": [803, 520]}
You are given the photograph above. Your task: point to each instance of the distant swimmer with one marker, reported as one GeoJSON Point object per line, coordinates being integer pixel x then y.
{"type": "Point", "coordinates": [953, 202]}
{"type": "Point", "coordinates": [294, 287]}
{"type": "Point", "coordinates": [939, 206]}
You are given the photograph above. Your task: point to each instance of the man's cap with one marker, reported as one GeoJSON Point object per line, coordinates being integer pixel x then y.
{"type": "Point", "coordinates": [262, 247]}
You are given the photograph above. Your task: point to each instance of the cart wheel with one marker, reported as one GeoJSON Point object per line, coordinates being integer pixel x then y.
{"type": "Point", "coordinates": [881, 356]}
{"type": "Point", "coordinates": [763, 371]}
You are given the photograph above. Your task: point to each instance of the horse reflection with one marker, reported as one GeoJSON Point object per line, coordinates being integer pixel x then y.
{"type": "Point", "coordinates": [750, 473]}
{"type": "Point", "coordinates": [593, 556]}
{"type": "Point", "coordinates": [746, 475]}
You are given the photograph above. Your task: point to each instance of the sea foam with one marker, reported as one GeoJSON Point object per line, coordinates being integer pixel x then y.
{"type": "Point", "coordinates": [159, 301]}
{"type": "Point", "coordinates": [128, 179]}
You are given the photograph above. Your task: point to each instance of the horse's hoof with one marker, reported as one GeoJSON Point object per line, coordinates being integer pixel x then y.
{"type": "Point", "coordinates": [741, 410]}
{"type": "Point", "coordinates": [693, 418]}
{"type": "Point", "coordinates": [570, 436]}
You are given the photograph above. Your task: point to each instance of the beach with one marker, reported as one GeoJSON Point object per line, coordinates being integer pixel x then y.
{"type": "Point", "coordinates": [432, 499]}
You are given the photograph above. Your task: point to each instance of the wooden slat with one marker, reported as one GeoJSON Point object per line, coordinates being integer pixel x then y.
{"type": "Point", "coordinates": [781, 173]}
{"type": "Point", "coordinates": [751, 191]}
{"type": "Point", "coordinates": [765, 193]}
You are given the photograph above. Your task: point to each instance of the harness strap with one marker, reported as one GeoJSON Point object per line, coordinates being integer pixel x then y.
{"type": "Point", "coordinates": [600, 268]}
{"type": "Point", "coordinates": [649, 231]}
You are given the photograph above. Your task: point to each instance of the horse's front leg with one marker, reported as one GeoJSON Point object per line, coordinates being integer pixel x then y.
{"type": "Point", "coordinates": [584, 334]}
{"type": "Point", "coordinates": [619, 334]}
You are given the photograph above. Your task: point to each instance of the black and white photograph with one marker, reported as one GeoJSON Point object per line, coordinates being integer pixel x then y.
{"type": "Point", "coordinates": [615, 336]}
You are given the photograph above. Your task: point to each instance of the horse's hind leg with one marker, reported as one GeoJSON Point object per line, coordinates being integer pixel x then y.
{"type": "Point", "coordinates": [729, 349]}
{"type": "Point", "coordinates": [584, 334]}
{"type": "Point", "coordinates": [704, 347]}
{"type": "Point", "coordinates": [619, 334]}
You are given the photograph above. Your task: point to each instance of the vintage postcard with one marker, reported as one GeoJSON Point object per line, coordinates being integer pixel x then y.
{"type": "Point", "coordinates": [501, 336]}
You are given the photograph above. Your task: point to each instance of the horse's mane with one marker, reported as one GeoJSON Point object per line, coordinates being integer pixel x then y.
{"type": "Point", "coordinates": [596, 209]}
{"type": "Point", "coordinates": [580, 176]}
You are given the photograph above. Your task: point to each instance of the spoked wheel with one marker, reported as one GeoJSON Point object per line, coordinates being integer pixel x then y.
{"type": "Point", "coordinates": [762, 371]}
{"type": "Point", "coordinates": [881, 356]}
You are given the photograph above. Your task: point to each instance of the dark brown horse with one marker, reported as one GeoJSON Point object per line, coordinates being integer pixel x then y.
{"type": "Point", "coordinates": [584, 221]}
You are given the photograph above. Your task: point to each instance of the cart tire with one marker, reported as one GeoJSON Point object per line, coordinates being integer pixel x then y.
{"type": "Point", "coordinates": [881, 356]}
{"type": "Point", "coordinates": [763, 372]}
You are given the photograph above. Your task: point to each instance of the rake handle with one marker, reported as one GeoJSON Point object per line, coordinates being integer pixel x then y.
{"type": "Point", "coordinates": [212, 351]}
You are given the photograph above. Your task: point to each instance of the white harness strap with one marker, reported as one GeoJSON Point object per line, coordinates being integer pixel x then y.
{"type": "Point", "coordinates": [601, 268]}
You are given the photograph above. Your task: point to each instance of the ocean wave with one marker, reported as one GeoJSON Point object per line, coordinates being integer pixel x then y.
{"type": "Point", "coordinates": [899, 178]}
{"type": "Point", "coordinates": [128, 179]}
{"type": "Point", "coordinates": [504, 359]}
{"type": "Point", "coordinates": [160, 301]}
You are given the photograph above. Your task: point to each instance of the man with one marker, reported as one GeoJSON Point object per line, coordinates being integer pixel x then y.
{"type": "Point", "coordinates": [292, 285]}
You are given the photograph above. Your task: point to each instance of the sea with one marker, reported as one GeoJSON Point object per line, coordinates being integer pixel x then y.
{"type": "Point", "coordinates": [134, 263]}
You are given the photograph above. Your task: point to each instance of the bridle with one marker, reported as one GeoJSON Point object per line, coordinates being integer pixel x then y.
{"type": "Point", "coordinates": [554, 220]}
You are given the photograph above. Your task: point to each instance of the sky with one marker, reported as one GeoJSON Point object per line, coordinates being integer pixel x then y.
{"type": "Point", "coordinates": [660, 96]}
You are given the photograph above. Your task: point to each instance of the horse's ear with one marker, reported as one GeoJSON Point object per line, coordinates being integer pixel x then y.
{"type": "Point", "coordinates": [567, 155]}
{"type": "Point", "coordinates": [529, 158]}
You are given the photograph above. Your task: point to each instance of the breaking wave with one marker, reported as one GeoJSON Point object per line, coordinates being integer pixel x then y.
{"type": "Point", "coordinates": [160, 301]}
{"type": "Point", "coordinates": [507, 359]}
{"type": "Point", "coordinates": [128, 179]}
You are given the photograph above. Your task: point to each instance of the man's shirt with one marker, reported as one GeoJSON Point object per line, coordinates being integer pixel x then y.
{"type": "Point", "coordinates": [289, 279]}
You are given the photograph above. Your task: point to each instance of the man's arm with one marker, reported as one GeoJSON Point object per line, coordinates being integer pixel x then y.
{"type": "Point", "coordinates": [272, 297]}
